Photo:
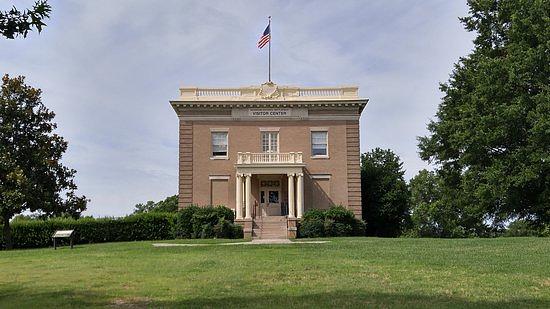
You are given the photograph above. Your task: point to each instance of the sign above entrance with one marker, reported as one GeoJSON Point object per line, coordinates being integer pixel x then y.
{"type": "Point", "coordinates": [270, 183]}
{"type": "Point", "coordinates": [269, 112]}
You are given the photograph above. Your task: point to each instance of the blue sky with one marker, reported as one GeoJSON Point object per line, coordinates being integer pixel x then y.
{"type": "Point", "coordinates": [108, 69]}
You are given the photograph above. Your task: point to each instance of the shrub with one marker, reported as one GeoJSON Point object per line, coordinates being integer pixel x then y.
{"type": "Point", "coordinates": [238, 231]}
{"type": "Point", "coordinates": [224, 229]}
{"type": "Point", "coordinates": [359, 228]}
{"type": "Point", "coordinates": [314, 214]}
{"type": "Point", "coordinates": [183, 226]}
{"type": "Point", "coordinates": [340, 214]}
{"type": "Point", "coordinates": [336, 221]}
{"type": "Point", "coordinates": [206, 222]}
{"type": "Point", "coordinates": [523, 228]}
{"type": "Point", "coordinates": [311, 228]}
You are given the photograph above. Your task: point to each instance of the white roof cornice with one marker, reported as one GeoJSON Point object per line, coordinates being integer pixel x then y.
{"type": "Point", "coordinates": [269, 95]}
{"type": "Point", "coordinates": [269, 92]}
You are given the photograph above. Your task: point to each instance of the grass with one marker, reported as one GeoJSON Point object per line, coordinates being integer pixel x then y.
{"type": "Point", "coordinates": [346, 272]}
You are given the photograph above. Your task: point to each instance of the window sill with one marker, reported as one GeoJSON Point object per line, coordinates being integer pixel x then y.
{"type": "Point", "coordinates": [219, 158]}
{"type": "Point", "coordinates": [320, 157]}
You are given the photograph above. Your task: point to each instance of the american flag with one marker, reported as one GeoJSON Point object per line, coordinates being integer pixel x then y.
{"type": "Point", "coordinates": [265, 37]}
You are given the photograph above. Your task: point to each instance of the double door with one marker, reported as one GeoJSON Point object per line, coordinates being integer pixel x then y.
{"type": "Point", "coordinates": [270, 197]}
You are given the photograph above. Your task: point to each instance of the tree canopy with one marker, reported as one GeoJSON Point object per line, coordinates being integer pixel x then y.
{"type": "Point", "coordinates": [169, 204]}
{"type": "Point", "coordinates": [32, 176]}
{"type": "Point", "coordinates": [14, 23]}
{"type": "Point", "coordinates": [384, 193]}
{"type": "Point", "coordinates": [490, 140]}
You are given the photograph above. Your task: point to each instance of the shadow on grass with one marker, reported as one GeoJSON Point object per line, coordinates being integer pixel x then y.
{"type": "Point", "coordinates": [62, 298]}
{"type": "Point", "coordinates": [339, 299]}
{"type": "Point", "coordinates": [67, 298]}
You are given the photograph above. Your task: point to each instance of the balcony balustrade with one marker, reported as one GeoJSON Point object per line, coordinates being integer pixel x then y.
{"type": "Point", "coordinates": [269, 157]}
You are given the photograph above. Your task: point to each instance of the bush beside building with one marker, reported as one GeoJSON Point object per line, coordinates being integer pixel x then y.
{"type": "Point", "coordinates": [336, 221]}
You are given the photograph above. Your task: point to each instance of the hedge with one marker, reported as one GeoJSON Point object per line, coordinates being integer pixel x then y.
{"type": "Point", "coordinates": [190, 222]}
{"type": "Point", "coordinates": [336, 221]}
{"type": "Point", "coordinates": [147, 226]}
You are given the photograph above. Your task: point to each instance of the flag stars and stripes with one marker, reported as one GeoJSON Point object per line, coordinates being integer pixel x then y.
{"type": "Point", "coordinates": [266, 37]}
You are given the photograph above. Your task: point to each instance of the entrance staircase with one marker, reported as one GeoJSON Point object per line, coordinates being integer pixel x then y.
{"type": "Point", "coordinates": [271, 227]}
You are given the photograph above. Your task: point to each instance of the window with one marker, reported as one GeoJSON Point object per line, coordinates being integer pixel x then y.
{"type": "Point", "coordinates": [274, 197]}
{"type": "Point", "coordinates": [319, 143]}
{"type": "Point", "coordinates": [270, 142]}
{"type": "Point", "coordinates": [219, 144]}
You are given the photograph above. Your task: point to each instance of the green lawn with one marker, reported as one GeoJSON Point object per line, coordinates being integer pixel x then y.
{"type": "Point", "coordinates": [347, 272]}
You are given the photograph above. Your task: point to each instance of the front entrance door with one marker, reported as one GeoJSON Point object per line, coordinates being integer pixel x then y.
{"type": "Point", "coordinates": [270, 197]}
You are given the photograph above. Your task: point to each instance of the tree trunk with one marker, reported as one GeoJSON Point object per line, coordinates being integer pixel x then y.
{"type": "Point", "coordinates": [8, 241]}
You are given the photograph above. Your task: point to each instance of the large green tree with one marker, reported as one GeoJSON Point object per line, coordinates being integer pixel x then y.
{"type": "Point", "coordinates": [490, 140]}
{"type": "Point", "coordinates": [14, 23]}
{"type": "Point", "coordinates": [169, 204]}
{"type": "Point", "coordinates": [32, 177]}
{"type": "Point", "coordinates": [434, 211]}
{"type": "Point", "coordinates": [384, 193]}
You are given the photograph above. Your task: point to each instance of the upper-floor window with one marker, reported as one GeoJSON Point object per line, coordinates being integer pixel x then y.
{"type": "Point", "coordinates": [270, 142]}
{"type": "Point", "coordinates": [219, 144]}
{"type": "Point", "coordinates": [319, 143]}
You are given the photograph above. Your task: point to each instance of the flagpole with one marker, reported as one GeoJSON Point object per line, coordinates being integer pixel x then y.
{"type": "Point", "coordinates": [270, 37]}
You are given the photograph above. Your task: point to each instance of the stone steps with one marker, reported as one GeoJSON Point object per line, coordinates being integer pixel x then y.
{"type": "Point", "coordinates": [273, 227]}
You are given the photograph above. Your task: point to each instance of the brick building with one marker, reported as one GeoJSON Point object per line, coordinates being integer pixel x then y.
{"type": "Point", "coordinates": [269, 152]}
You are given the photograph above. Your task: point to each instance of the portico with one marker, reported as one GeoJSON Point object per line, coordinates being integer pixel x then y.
{"type": "Point", "coordinates": [270, 170]}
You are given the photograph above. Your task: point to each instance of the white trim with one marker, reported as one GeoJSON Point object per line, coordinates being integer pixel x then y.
{"type": "Point", "coordinates": [320, 176]}
{"type": "Point", "coordinates": [229, 118]}
{"type": "Point", "coordinates": [218, 177]}
{"type": "Point", "coordinates": [219, 129]}
{"type": "Point", "coordinates": [320, 156]}
{"type": "Point", "coordinates": [333, 117]}
{"type": "Point", "coordinates": [319, 129]}
{"type": "Point", "coordinates": [219, 158]}
{"type": "Point", "coordinates": [217, 103]}
{"type": "Point", "coordinates": [273, 129]}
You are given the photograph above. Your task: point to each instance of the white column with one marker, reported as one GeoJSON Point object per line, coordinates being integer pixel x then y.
{"type": "Point", "coordinates": [300, 195]}
{"type": "Point", "coordinates": [239, 199]}
{"type": "Point", "coordinates": [291, 195]}
{"type": "Point", "coordinates": [248, 196]}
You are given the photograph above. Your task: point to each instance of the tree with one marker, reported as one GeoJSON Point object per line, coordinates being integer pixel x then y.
{"type": "Point", "coordinates": [14, 23]}
{"type": "Point", "coordinates": [32, 177]}
{"type": "Point", "coordinates": [434, 212]}
{"type": "Point", "coordinates": [490, 141]}
{"type": "Point", "coordinates": [384, 193]}
{"type": "Point", "coordinates": [425, 204]}
{"type": "Point", "coordinates": [169, 204]}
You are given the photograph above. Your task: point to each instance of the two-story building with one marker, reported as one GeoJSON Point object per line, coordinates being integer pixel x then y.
{"type": "Point", "coordinates": [269, 152]}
